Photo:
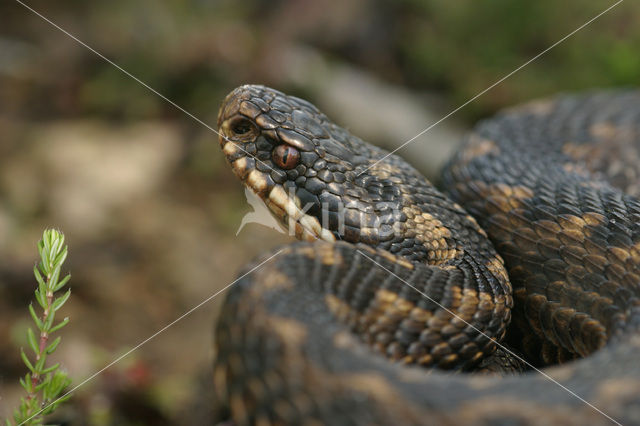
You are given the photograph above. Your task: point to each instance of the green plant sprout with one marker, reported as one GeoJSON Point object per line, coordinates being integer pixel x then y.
{"type": "Point", "coordinates": [43, 383]}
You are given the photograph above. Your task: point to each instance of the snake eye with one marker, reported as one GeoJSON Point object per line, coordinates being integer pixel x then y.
{"type": "Point", "coordinates": [285, 156]}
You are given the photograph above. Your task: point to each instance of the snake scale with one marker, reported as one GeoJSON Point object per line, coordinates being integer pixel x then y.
{"type": "Point", "coordinates": [398, 307]}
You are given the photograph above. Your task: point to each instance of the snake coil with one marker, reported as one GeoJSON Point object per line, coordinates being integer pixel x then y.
{"type": "Point", "coordinates": [393, 276]}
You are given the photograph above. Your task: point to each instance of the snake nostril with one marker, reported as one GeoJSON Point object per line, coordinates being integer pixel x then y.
{"type": "Point", "coordinates": [241, 126]}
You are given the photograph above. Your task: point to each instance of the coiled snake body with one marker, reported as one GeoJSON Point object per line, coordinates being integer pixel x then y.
{"type": "Point", "coordinates": [392, 276]}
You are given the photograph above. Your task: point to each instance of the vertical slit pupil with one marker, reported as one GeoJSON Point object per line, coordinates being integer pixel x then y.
{"type": "Point", "coordinates": [285, 156]}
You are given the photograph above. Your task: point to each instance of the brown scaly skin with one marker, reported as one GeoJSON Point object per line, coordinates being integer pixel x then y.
{"type": "Point", "coordinates": [299, 340]}
{"type": "Point", "coordinates": [570, 239]}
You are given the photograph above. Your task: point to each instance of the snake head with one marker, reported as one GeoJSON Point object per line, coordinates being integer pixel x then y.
{"type": "Point", "coordinates": [312, 175]}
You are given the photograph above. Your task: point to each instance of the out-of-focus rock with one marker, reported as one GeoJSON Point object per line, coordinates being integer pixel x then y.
{"type": "Point", "coordinates": [92, 169]}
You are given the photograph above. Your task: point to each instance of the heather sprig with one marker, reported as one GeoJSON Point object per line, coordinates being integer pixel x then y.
{"type": "Point", "coordinates": [44, 383]}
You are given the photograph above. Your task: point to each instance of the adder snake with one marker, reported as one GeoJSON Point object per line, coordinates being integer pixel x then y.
{"type": "Point", "coordinates": [394, 282]}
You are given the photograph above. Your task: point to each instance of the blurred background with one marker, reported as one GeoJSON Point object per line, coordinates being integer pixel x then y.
{"type": "Point", "coordinates": [142, 193]}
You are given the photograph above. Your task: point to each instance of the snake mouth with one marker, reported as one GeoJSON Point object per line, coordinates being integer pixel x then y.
{"type": "Point", "coordinates": [286, 207]}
